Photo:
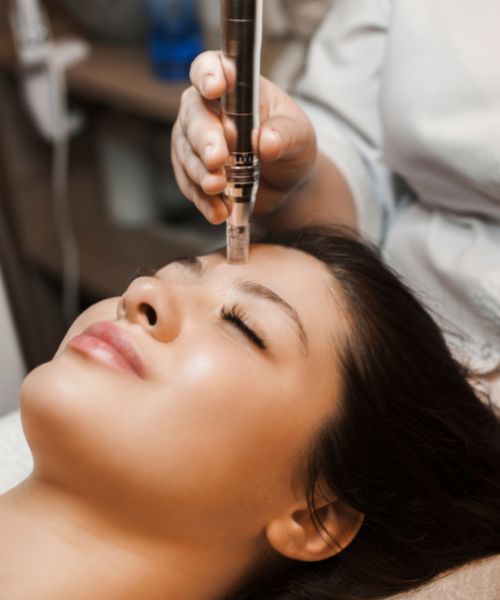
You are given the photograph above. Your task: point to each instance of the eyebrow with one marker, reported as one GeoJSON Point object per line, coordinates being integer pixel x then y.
{"type": "Point", "coordinates": [196, 266]}
{"type": "Point", "coordinates": [193, 263]}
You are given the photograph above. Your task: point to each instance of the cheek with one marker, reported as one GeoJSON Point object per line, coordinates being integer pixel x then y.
{"type": "Point", "coordinates": [220, 385]}
{"type": "Point", "coordinates": [68, 410]}
{"type": "Point", "coordinates": [227, 416]}
{"type": "Point", "coordinates": [216, 427]}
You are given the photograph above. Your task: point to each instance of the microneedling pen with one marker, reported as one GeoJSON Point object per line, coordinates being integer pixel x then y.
{"type": "Point", "coordinates": [241, 29]}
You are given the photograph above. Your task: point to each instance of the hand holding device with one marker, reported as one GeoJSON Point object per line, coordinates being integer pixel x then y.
{"type": "Point", "coordinates": [286, 144]}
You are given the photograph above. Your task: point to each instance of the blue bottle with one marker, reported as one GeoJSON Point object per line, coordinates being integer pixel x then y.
{"type": "Point", "coordinates": [175, 37]}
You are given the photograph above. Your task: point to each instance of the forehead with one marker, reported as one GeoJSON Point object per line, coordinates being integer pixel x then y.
{"type": "Point", "coordinates": [300, 279]}
{"type": "Point", "coordinates": [307, 286]}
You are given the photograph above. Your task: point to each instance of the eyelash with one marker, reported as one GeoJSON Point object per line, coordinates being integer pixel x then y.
{"type": "Point", "coordinates": [236, 316]}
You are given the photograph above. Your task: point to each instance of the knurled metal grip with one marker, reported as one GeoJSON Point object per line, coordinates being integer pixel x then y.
{"type": "Point", "coordinates": [241, 29]}
{"type": "Point", "coordinates": [242, 172]}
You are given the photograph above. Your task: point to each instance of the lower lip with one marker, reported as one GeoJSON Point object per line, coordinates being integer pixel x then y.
{"type": "Point", "coordinates": [101, 352]}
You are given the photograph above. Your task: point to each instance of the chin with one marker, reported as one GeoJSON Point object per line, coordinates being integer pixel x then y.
{"type": "Point", "coordinates": [56, 419]}
{"type": "Point", "coordinates": [42, 394]}
{"type": "Point", "coordinates": [70, 409]}
{"type": "Point", "coordinates": [55, 387]}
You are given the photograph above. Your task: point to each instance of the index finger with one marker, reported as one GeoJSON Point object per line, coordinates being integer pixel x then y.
{"type": "Point", "coordinates": [208, 75]}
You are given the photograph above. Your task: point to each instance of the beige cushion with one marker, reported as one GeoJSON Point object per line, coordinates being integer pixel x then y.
{"type": "Point", "coordinates": [477, 581]}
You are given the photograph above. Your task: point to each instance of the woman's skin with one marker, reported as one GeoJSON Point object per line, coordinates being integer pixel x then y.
{"type": "Point", "coordinates": [171, 479]}
{"type": "Point", "coordinates": [294, 175]}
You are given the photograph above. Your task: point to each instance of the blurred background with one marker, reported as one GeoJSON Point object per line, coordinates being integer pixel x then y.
{"type": "Point", "coordinates": [89, 91]}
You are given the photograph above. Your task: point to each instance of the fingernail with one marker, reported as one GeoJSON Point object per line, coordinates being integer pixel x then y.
{"type": "Point", "coordinates": [205, 182]}
{"type": "Point", "coordinates": [272, 135]}
{"type": "Point", "coordinates": [273, 138]}
{"type": "Point", "coordinates": [226, 203]}
{"type": "Point", "coordinates": [217, 212]}
{"type": "Point", "coordinates": [210, 213]}
{"type": "Point", "coordinates": [223, 211]}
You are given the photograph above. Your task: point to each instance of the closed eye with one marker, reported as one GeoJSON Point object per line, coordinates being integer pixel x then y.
{"type": "Point", "coordinates": [236, 316]}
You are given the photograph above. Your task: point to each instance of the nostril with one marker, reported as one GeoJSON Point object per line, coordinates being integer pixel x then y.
{"type": "Point", "coordinates": [149, 312]}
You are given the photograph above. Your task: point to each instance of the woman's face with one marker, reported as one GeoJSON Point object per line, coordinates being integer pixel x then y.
{"type": "Point", "coordinates": [201, 432]}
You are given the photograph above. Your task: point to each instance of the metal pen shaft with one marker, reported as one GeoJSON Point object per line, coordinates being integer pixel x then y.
{"type": "Point", "coordinates": [241, 29]}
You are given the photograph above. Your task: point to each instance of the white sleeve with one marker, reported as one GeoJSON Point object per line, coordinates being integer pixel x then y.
{"type": "Point", "coordinates": [340, 92]}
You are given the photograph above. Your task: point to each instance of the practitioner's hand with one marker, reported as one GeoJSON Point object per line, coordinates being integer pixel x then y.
{"type": "Point", "coordinates": [286, 144]}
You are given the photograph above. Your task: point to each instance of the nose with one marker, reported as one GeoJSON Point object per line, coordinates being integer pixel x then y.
{"type": "Point", "coordinates": [151, 303]}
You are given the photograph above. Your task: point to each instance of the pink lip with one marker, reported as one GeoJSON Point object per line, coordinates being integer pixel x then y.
{"type": "Point", "coordinates": [108, 344]}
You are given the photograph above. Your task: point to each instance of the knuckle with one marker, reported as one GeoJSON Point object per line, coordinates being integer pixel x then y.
{"type": "Point", "coordinates": [191, 168]}
{"type": "Point", "coordinates": [176, 135]}
{"type": "Point", "coordinates": [197, 199]}
{"type": "Point", "coordinates": [191, 191]}
{"type": "Point", "coordinates": [180, 176]}
{"type": "Point", "coordinates": [182, 145]}
{"type": "Point", "coordinates": [196, 125]}
{"type": "Point", "coordinates": [179, 151]}
{"type": "Point", "coordinates": [178, 146]}
{"type": "Point", "coordinates": [175, 130]}
{"type": "Point", "coordinates": [197, 170]}
{"type": "Point", "coordinates": [201, 173]}
{"type": "Point", "coordinates": [187, 150]}
{"type": "Point", "coordinates": [191, 116]}
{"type": "Point", "coordinates": [207, 136]}
{"type": "Point", "coordinates": [187, 95]}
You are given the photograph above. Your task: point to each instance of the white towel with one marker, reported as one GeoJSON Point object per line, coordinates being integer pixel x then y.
{"type": "Point", "coordinates": [16, 462]}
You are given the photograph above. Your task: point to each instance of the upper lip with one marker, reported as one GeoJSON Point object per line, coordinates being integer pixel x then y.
{"type": "Point", "coordinates": [119, 340]}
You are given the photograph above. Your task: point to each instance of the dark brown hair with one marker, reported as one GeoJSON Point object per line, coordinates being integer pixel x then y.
{"type": "Point", "coordinates": [412, 447]}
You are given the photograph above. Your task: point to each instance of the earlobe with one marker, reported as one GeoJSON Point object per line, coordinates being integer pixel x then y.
{"type": "Point", "coordinates": [296, 536]}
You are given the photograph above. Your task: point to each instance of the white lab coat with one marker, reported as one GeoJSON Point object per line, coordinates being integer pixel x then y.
{"type": "Point", "coordinates": [412, 87]}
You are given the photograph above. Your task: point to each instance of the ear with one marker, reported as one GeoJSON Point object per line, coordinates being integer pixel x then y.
{"type": "Point", "coordinates": [295, 536]}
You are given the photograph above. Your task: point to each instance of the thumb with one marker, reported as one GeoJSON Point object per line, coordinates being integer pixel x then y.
{"type": "Point", "coordinates": [286, 139]}
{"type": "Point", "coordinates": [270, 143]}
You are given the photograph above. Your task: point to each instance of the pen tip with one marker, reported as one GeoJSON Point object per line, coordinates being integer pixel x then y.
{"type": "Point", "coordinates": [238, 245]}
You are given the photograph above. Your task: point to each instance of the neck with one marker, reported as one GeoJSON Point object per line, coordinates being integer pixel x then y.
{"type": "Point", "coordinates": [68, 552]}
